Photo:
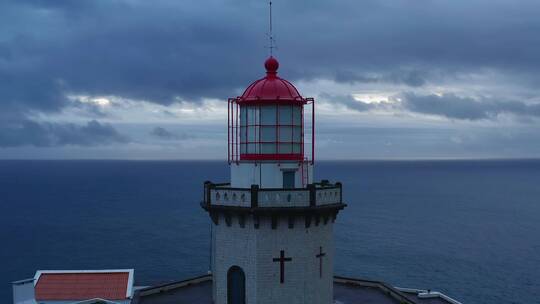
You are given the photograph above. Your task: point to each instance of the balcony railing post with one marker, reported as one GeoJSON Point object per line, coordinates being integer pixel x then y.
{"type": "Point", "coordinates": [207, 194]}
{"type": "Point", "coordinates": [312, 194]}
{"type": "Point", "coordinates": [254, 196]}
{"type": "Point", "coordinates": [338, 184]}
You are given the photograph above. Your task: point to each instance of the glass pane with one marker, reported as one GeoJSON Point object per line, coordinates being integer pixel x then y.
{"type": "Point", "coordinates": [268, 148]}
{"type": "Point", "coordinates": [285, 134]}
{"type": "Point", "coordinates": [251, 148]}
{"type": "Point", "coordinates": [243, 113]}
{"type": "Point", "coordinates": [268, 115]}
{"type": "Point", "coordinates": [297, 134]}
{"type": "Point", "coordinates": [243, 148]}
{"type": "Point", "coordinates": [297, 148]}
{"type": "Point", "coordinates": [285, 148]}
{"type": "Point", "coordinates": [268, 134]}
{"type": "Point", "coordinates": [253, 133]}
{"type": "Point", "coordinates": [242, 134]}
{"type": "Point", "coordinates": [253, 115]}
{"type": "Point", "coordinates": [285, 115]}
{"type": "Point", "coordinates": [297, 115]}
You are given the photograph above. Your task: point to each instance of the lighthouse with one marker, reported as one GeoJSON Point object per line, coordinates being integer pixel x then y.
{"type": "Point", "coordinates": [272, 224]}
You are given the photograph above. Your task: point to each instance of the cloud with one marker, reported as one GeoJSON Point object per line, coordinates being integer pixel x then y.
{"type": "Point", "coordinates": [162, 133]}
{"type": "Point", "coordinates": [412, 78]}
{"type": "Point", "coordinates": [168, 51]}
{"type": "Point", "coordinates": [435, 142]}
{"type": "Point", "coordinates": [24, 132]}
{"type": "Point", "coordinates": [165, 134]}
{"type": "Point", "coordinates": [446, 105]}
{"type": "Point", "coordinates": [455, 107]}
{"type": "Point", "coordinates": [347, 101]}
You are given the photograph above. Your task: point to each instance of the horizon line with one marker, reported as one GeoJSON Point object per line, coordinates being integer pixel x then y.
{"type": "Point", "coordinates": [319, 160]}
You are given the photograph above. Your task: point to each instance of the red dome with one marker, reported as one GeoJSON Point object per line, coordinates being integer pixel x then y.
{"type": "Point", "coordinates": [271, 87]}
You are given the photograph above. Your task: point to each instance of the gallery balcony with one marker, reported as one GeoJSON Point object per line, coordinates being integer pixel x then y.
{"type": "Point", "coordinates": [316, 196]}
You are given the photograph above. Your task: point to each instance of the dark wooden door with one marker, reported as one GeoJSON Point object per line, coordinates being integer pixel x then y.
{"type": "Point", "coordinates": [236, 286]}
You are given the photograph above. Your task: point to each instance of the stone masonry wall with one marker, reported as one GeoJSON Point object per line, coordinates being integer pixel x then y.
{"type": "Point", "coordinates": [254, 250]}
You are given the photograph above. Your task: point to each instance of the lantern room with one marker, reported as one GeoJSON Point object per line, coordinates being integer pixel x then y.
{"type": "Point", "coordinates": [267, 123]}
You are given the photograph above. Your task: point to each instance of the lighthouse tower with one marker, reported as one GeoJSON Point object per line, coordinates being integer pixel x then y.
{"type": "Point", "coordinates": [272, 225]}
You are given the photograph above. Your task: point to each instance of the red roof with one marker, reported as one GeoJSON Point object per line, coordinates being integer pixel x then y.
{"type": "Point", "coordinates": [271, 87]}
{"type": "Point", "coordinates": [82, 286]}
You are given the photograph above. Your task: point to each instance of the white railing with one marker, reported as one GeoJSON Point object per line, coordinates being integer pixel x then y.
{"type": "Point", "coordinates": [224, 197]}
{"type": "Point", "coordinates": [283, 198]}
{"type": "Point", "coordinates": [327, 196]}
{"type": "Point", "coordinates": [313, 195]}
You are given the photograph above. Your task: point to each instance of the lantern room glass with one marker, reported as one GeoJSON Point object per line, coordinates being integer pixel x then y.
{"type": "Point", "coordinates": [271, 129]}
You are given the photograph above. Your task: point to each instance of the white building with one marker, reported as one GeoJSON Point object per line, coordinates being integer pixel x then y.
{"type": "Point", "coordinates": [272, 239]}
{"type": "Point", "coordinates": [75, 286]}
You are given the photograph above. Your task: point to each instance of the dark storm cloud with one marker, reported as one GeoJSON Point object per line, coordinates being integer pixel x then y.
{"type": "Point", "coordinates": [163, 51]}
{"type": "Point", "coordinates": [24, 132]}
{"type": "Point", "coordinates": [162, 133]}
{"type": "Point", "coordinates": [347, 101]}
{"type": "Point", "coordinates": [411, 78]}
{"type": "Point", "coordinates": [160, 50]}
{"type": "Point", "coordinates": [446, 105]}
{"type": "Point", "coordinates": [455, 107]}
{"type": "Point", "coordinates": [447, 142]}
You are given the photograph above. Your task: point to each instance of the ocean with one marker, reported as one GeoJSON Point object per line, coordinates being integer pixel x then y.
{"type": "Point", "coordinates": [470, 229]}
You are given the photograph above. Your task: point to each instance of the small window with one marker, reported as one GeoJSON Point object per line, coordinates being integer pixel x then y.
{"type": "Point", "coordinates": [288, 179]}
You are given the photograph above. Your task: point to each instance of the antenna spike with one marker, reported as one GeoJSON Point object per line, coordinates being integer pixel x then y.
{"type": "Point", "coordinates": [271, 37]}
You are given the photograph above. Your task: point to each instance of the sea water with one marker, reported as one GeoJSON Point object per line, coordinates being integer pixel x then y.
{"type": "Point", "coordinates": [470, 229]}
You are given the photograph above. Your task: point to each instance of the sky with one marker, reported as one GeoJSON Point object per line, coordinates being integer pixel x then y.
{"type": "Point", "coordinates": [392, 79]}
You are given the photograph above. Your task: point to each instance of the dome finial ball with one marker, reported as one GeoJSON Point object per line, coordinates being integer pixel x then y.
{"type": "Point", "coordinates": [271, 65]}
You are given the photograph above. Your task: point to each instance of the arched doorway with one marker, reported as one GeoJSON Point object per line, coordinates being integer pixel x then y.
{"type": "Point", "coordinates": [236, 286]}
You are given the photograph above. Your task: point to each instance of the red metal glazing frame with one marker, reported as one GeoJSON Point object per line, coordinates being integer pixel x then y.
{"type": "Point", "coordinates": [312, 130]}
{"type": "Point", "coordinates": [234, 144]}
{"type": "Point", "coordinates": [262, 102]}
{"type": "Point", "coordinates": [228, 130]}
{"type": "Point", "coordinates": [237, 131]}
{"type": "Point", "coordinates": [232, 131]}
{"type": "Point", "coordinates": [275, 156]}
{"type": "Point", "coordinates": [277, 128]}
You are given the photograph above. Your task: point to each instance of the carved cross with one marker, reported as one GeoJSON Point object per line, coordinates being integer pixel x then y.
{"type": "Point", "coordinates": [320, 255]}
{"type": "Point", "coordinates": [282, 259]}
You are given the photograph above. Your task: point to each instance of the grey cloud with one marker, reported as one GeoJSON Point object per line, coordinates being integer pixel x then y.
{"type": "Point", "coordinates": [160, 50]}
{"type": "Point", "coordinates": [447, 142]}
{"type": "Point", "coordinates": [163, 133]}
{"type": "Point", "coordinates": [446, 105]}
{"type": "Point", "coordinates": [413, 78]}
{"type": "Point", "coordinates": [455, 107]}
{"type": "Point", "coordinates": [348, 76]}
{"type": "Point", "coordinates": [89, 109]}
{"type": "Point", "coordinates": [163, 51]}
{"type": "Point", "coordinates": [24, 132]}
{"type": "Point", "coordinates": [347, 101]}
